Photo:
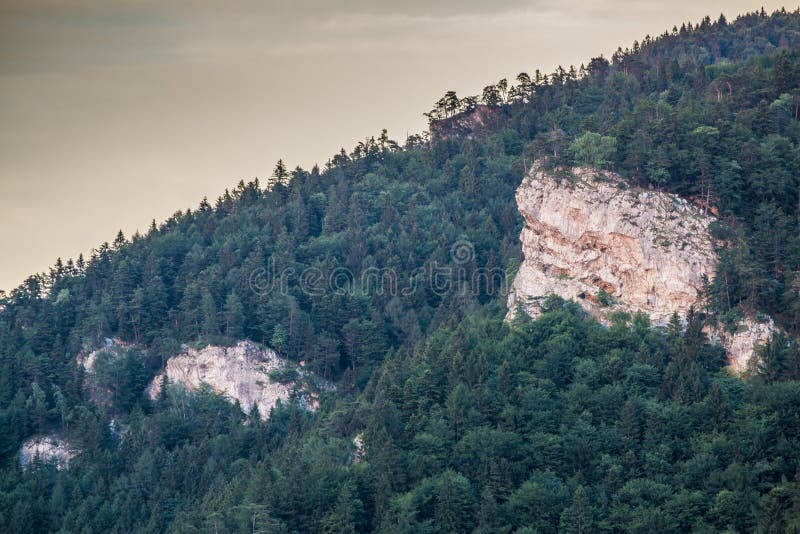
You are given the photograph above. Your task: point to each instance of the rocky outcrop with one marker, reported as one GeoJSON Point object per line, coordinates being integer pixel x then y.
{"type": "Point", "coordinates": [46, 449]}
{"type": "Point", "coordinates": [244, 372]}
{"type": "Point", "coordinates": [358, 449]}
{"type": "Point", "coordinates": [464, 124]}
{"type": "Point", "coordinates": [739, 345]}
{"type": "Point", "coordinates": [111, 347]}
{"type": "Point", "coordinates": [591, 238]}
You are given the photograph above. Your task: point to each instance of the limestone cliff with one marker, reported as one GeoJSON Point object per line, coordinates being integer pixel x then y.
{"type": "Point", "coordinates": [591, 238]}
{"type": "Point", "coordinates": [46, 449]}
{"type": "Point", "coordinates": [739, 345]}
{"type": "Point", "coordinates": [358, 448]}
{"type": "Point", "coordinates": [244, 372]}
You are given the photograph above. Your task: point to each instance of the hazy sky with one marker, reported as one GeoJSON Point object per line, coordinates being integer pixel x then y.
{"type": "Point", "coordinates": [114, 113]}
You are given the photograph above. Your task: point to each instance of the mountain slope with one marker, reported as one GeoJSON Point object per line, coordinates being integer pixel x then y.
{"type": "Point", "coordinates": [384, 273]}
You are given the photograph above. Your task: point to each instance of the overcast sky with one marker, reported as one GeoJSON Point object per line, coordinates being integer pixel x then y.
{"type": "Point", "coordinates": [112, 115]}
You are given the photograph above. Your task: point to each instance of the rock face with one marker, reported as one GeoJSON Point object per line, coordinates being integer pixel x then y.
{"type": "Point", "coordinates": [110, 346]}
{"type": "Point", "coordinates": [244, 372]}
{"type": "Point", "coordinates": [46, 449]}
{"type": "Point", "coordinates": [588, 233]}
{"type": "Point", "coordinates": [740, 344]}
{"type": "Point", "coordinates": [358, 449]}
{"type": "Point", "coordinates": [590, 238]}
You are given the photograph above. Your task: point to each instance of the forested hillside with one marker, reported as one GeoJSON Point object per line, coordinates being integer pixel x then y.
{"type": "Point", "coordinates": [384, 273]}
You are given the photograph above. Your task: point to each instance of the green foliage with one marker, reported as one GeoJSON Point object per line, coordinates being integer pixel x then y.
{"type": "Point", "coordinates": [593, 149]}
{"type": "Point", "coordinates": [285, 375]}
{"type": "Point", "coordinates": [604, 299]}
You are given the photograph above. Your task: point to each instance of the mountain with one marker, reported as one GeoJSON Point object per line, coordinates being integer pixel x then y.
{"type": "Point", "coordinates": [377, 286]}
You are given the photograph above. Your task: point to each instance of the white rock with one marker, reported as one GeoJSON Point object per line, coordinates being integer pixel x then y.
{"type": "Point", "coordinates": [241, 372]}
{"type": "Point", "coordinates": [649, 251]}
{"type": "Point", "coordinates": [358, 453]}
{"type": "Point", "coordinates": [46, 449]}
{"type": "Point", "coordinates": [740, 344]}
{"type": "Point", "coordinates": [112, 346]}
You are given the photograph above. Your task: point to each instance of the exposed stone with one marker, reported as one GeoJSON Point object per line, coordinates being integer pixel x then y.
{"type": "Point", "coordinates": [244, 372]}
{"type": "Point", "coordinates": [358, 453]}
{"type": "Point", "coordinates": [110, 346]}
{"type": "Point", "coordinates": [740, 344]}
{"type": "Point", "coordinates": [648, 251]}
{"type": "Point", "coordinates": [46, 449]}
{"type": "Point", "coordinates": [591, 238]}
{"type": "Point", "coordinates": [464, 124]}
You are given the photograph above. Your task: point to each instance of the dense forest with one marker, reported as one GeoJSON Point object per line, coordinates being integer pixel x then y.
{"type": "Point", "coordinates": [469, 422]}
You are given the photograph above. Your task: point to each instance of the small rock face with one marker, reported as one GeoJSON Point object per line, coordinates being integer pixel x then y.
{"type": "Point", "coordinates": [740, 344]}
{"type": "Point", "coordinates": [111, 346]}
{"type": "Point", "coordinates": [241, 372]}
{"type": "Point", "coordinates": [46, 449]}
{"type": "Point", "coordinates": [590, 238]}
{"type": "Point", "coordinates": [358, 453]}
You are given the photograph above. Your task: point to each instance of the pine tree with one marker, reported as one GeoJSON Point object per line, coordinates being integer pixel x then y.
{"type": "Point", "coordinates": [280, 175]}
{"type": "Point", "coordinates": [577, 518]}
{"type": "Point", "coordinates": [454, 506]}
{"type": "Point", "coordinates": [162, 391]}
{"type": "Point", "coordinates": [491, 96]}
{"type": "Point", "coordinates": [346, 515]}
{"type": "Point", "coordinates": [280, 339]}
{"type": "Point", "coordinates": [208, 314]}
{"type": "Point", "coordinates": [768, 360]}
{"type": "Point", "coordinates": [487, 516]}
{"type": "Point", "coordinates": [234, 317]}
{"type": "Point", "coordinates": [718, 405]}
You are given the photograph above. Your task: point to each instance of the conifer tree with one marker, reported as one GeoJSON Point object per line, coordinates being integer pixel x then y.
{"type": "Point", "coordinates": [577, 518]}
{"type": "Point", "coordinates": [234, 317]}
{"type": "Point", "coordinates": [208, 314]}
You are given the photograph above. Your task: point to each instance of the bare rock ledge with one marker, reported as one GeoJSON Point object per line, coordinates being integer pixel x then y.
{"type": "Point", "coordinates": [243, 372]}
{"type": "Point", "coordinates": [46, 449]}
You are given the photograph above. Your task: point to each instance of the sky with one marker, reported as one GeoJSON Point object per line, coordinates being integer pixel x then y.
{"type": "Point", "coordinates": [116, 113]}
